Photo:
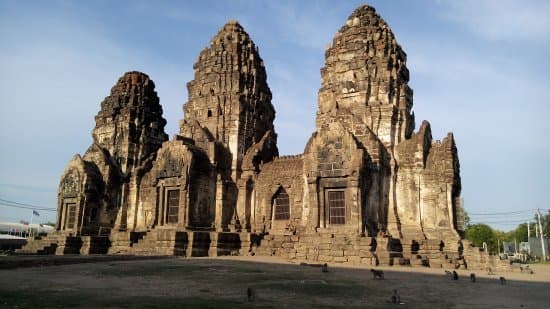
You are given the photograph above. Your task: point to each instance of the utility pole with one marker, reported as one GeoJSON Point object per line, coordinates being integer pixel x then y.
{"type": "Point", "coordinates": [528, 237]}
{"type": "Point", "coordinates": [541, 238]}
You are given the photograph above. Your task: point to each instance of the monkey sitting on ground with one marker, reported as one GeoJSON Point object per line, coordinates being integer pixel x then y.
{"type": "Point", "coordinates": [250, 294]}
{"type": "Point", "coordinates": [450, 274]}
{"type": "Point", "coordinates": [455, 275]}
{"type": "Point", "coordinates": [377, 274]}
{"type": "Point", "coordinates": [324, 268]}
{"type": "Point", "coordinates": [395, 299]}
{"type": "Point", "coordinates": [502, 280]}
{"type": "Point", "coordinates": [473, 277]}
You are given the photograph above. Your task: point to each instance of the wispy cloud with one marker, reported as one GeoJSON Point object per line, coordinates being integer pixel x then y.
{"type": "Point", "coordinates": [301, 23]}
{"type": "Point", "coordinates": [494, 99]}
{"type": "Point", "coordinates": [501, 19]}
{"type": "Point", "coordinates": [55, 73]}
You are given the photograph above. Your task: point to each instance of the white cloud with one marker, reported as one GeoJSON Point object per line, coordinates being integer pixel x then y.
{"type": "Point", "coordinates": [301, 24]}
{"type": "Point", "coordinates": [55, 73]}
{"type": "Point", "coordinates": [496, 90]}
{"type": "Point", "coordinates": [501, 19]}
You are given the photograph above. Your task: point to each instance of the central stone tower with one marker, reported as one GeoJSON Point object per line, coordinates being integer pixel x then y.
{"type": "Point", "coordinates": [229, 97]}
{"type": "Point", "coordinates": [365, 76]}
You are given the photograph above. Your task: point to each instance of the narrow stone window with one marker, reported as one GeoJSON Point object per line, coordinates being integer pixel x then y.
{"type": "Point", "coordinates": [336, 207]}
{"type": "Point", "coordinates": [209, 113]}
{"type": "Point", "coordinates": [71, 215]}
{"type": "Point", "coordinates": [281, 205]}
{"type": "Point", "coordinates": [173, 203]}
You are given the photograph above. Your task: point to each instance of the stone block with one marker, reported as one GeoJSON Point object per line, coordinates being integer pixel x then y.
{"type": "Point", "coordinates": [340, 259]}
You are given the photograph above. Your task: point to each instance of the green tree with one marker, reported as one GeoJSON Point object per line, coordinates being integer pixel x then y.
{"type": "Point", "coordinates": [520, 233]}
{"type": "Point", "coordinates": [479, 233]}
{"type": "Point", "coordinates": [466, 219]}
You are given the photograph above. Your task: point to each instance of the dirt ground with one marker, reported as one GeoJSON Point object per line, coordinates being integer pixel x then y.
{"type": "Point", "coordinates": [223, 283]}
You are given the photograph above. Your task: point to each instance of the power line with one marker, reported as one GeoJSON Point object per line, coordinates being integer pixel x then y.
{"type": "Point", "coordinates": [502, 221]}
{"type": "Point", "coordinates": [499, 223]}
{"type": "Point", "coordinates": [23, 204]}
{"type": "Point", "coordinates": [25, 207]}
{"type": "Point", "coordinates": [500, 213]}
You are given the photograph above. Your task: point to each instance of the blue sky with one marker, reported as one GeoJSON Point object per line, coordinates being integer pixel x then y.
{"type": "Point", "coordinates": [478, 69]}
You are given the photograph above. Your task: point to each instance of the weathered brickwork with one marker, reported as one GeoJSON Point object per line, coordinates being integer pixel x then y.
{"type": "Point", "coordinates": [367, 189]}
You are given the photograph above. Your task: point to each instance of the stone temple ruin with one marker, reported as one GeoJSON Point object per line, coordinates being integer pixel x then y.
{"type": "Point", "coordinates": [366, 189]}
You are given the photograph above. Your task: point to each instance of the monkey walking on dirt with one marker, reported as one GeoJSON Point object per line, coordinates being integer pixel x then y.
{"type": "Point", "coordinates": [377, 274]}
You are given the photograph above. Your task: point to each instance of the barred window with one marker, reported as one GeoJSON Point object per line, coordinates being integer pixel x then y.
{"type": "Point", "coordinates": [71, 215]}
{"type": "Point", "coordinates": [336, 207]}
{"type": "Point", "coordinates": [173, 205]}
{"type": "Point", "coordinates": [281, 204]}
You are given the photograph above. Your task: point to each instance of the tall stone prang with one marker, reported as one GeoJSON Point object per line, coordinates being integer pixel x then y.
{"type": "Point", "coordinates": [128, 132]}
{"type": "Point", "coordinates": [229, 96]}
{"type": "Point", "coordinates": [365, 76]}
{"type": "Point", "coordinates": [129, 125]}
{"type": "Point", "coordinates": [366, 190]}
{"type": "Point", "coordinates": [364, 88]}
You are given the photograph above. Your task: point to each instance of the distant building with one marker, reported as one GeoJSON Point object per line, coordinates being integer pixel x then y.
{"type": "Point", "coordinates": [13, 228]}
{"type": "Point", "coordinates": [523, 246]}
{"type": "Point", "coordinates": [508, 247]}
{"type": "Point", "coordinates": [11, 243]}
{"type": "Point", "coordinates": [536, 248]}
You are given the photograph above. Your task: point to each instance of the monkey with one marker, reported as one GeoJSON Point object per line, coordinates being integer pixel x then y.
{"type": "Point", "coordinates": [455, 275]}
{"type": "Point", "coordinates": [250, 294]}
{"type": "Point", "coordinates": [527, 269]}
{"type": "Point", "coordinates": [473, 277]}
{"type": "Point", "coordinates": [324, 268]}
{"type": "Point", "coordinates": [395, 299]}
{"type": "Point", "coordinates": [502, 281]}
{"type": "Point", "coordinates": [448, 273]}
{"type": "Point", "coordinates": [377, 274]}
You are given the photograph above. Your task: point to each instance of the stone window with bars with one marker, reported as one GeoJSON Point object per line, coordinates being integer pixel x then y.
{"type": "Point", "coordinates": [336, 207]}
{"type": "Point", "coordinates": [71, 215]}
{"type": "Point", "coordinates": [281, 205]}
{"type": "Point", "coordinates": [173, 202]}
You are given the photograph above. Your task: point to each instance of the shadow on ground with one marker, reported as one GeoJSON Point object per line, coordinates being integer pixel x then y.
{"type": "Point", "coordinates": [218, 283]}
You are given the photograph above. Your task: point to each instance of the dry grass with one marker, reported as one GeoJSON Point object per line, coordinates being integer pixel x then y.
{"type": "Point", "coordinates": [222, 283]}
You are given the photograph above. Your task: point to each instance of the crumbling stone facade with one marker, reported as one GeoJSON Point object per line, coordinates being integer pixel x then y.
{"type": "Point", "coordinates": [366, 189]}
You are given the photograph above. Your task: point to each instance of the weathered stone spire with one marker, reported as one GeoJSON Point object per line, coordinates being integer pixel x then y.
{"type": "Point", "coordinates": [365, 75]}
{"type": "Point", "coordinates": [229, 96]}
{"type": "Point", "coordinates": [130, 125]}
